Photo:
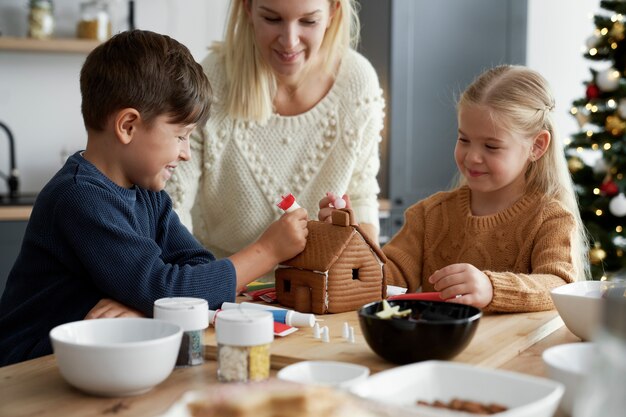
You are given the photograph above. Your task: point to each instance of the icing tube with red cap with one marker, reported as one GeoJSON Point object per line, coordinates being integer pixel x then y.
{"type": "Point", "coordinates": [288, 203]}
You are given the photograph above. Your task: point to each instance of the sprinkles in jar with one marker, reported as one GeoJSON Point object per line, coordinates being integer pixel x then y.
{"type": "Point", "coordinates": [243, 344]}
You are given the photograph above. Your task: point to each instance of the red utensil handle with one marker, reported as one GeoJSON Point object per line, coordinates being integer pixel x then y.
{"type": "Point", "coordinates": [429, 296]}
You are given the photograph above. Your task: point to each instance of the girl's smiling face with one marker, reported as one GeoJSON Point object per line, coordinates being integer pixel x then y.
{"type": "Point", "coordinates": [491, 158]}
{"type": "Point", "coordinates": [289, 33]}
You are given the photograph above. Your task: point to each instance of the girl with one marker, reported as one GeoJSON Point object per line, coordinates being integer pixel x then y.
{"type": "Point", "coordinates": [511, 230]}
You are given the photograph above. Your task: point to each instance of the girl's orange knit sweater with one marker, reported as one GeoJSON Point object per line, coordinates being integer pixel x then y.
{"type": "Point", "coordinates": [525, 250]}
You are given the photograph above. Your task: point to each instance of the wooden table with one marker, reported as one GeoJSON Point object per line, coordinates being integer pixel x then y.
{"type": "Point", "coordinates": [513, 342]}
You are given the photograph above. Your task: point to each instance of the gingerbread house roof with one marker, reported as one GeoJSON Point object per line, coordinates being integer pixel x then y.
{"type": "Point", "coordinates": [327, 241]}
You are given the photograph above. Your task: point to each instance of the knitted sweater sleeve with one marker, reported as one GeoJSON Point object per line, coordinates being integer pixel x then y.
{"type": "Point", "coordinates": [368, 119]}
{"type": "Point", "coordinates": [551, 264]}
{"type": "Point", "coordinates": [405, 251]}
{"type": "Point", "coordinates": [131, 265]}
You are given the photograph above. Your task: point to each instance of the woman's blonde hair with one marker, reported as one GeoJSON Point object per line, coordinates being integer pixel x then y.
{"type": "Point", "coordinates": [521, 101]}
{"type": "Point", "coordinates": [251, 84]}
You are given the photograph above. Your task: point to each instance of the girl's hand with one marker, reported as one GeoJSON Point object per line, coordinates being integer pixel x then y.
{"type": "Point", "coordinates": [463, 284]}
{"type": "Point", "coordinates": [107, 308]}
{"type": "Point", "coordinates": [327, 206]}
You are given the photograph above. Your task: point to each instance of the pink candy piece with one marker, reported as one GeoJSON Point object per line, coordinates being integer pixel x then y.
{"type": "Point", "coordinates": [339, 203]}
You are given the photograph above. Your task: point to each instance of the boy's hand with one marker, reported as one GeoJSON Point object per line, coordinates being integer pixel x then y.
{"type": "Point", "coordinates": [286, 237]}
{"type": "Point", "coordinates": [107, 308]}
{"type": "Point", "coordinates": [282, 240]}
{"type": "Point", "coordinates": [326, 206]}
{"type": "Point", "coordinates": [463, 284]}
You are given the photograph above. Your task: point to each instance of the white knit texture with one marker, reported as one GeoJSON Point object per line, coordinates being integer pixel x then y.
{"type": "Point", "coordinates": [227, 193]}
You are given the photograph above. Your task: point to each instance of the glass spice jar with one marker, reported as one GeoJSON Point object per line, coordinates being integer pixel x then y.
{"type": "Point", "coordinates": [40, 19]}
{"type": "Point", "coordinates": [192, 314]}
{"type": "Point", "coordinates": [95, 21]}
{"type": "Point", "coordinates": [243, 344]}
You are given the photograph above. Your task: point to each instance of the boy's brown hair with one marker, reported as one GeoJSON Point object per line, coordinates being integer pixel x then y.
{"type": "Point", "coordinates": [149, 72]}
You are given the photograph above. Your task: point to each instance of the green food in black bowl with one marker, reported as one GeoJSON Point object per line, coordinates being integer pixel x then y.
{"type": "Point", "coordinates": [433, 330]}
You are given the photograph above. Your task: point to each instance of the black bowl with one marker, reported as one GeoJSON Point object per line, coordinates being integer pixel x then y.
{"type": "Point", "coordinates": [434, 330]}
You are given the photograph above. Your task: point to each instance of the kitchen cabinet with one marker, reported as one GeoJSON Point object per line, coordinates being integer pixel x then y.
{"type": "Point", "coordinates": [425, 54]}
{"type": "Point", "coordinates": [11, 235]}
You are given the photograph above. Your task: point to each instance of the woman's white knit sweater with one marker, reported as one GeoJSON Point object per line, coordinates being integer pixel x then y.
{"type": "Point", "coordinates": [227, 193]}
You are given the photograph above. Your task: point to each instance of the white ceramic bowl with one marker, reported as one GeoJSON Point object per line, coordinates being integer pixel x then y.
{"type": "Point", "coordinates": [580, 306]}
{"type": "Point", "coordinates": [336, 374]}
{"type": "Point", "coordinates": [116, 357]}
{"type": "Point", "coordinates": [569, 364]}
{"type": "Point", "coordinates": [523, 395]}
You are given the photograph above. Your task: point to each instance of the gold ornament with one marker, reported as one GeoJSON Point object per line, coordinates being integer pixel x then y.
{"type": "Point", "coordinates": [597, 255]}
{"type": "Point", "coordinates": [617, 31]}
{"type": "Point", "coordinates": [575, 164]}
{"type": "Point", "coordinates": [615, 125]}
{"type": "Point", "coordinates": [582, 118]}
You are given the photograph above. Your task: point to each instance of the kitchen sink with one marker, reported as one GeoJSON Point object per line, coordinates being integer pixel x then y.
{"type": "Point", "coordinates": [19, 200]}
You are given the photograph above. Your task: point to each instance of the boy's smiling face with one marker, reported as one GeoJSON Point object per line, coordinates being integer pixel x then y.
{"type": "Point", "coordinates": [154, 152]}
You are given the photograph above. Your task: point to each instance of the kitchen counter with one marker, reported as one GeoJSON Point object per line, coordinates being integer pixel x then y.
{"type": "Point", "coordinates": [18, 208]}
{"type": "Point", "coordinates": [15, 213]}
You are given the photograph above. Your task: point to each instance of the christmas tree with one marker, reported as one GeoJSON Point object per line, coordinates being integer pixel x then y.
{"type": "Point", "coordinates": [597, 153]}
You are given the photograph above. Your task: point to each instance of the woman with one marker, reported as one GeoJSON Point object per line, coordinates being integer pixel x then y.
{"type": "Point", "coordinates": [297, 110]}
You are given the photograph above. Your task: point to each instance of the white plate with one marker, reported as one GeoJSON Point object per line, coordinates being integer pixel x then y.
{"type": "Point", "coordinates": [331, 373]}
{"type": "Point", "coordinates": [525, 396]}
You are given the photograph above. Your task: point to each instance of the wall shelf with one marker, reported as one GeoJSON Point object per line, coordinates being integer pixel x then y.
{"type": "Point", "coordinates": [53, 45]}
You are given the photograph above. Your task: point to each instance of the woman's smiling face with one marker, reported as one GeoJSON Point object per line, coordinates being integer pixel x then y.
{"type": "Point", "coordinates": [289, 33]}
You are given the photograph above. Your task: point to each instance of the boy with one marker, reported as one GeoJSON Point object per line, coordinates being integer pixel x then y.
{"type": "Point", "coordinates": [103, 227]}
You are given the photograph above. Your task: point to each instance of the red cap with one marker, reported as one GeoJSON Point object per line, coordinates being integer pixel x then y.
{"type": "Point", "coordinates": [286, 202]}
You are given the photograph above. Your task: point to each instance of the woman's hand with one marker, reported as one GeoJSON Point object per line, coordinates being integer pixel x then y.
{"type": "Point", "coordinates": [107, 308]}
{"type": "Point", "coordinates": [463, 284]}
{"type": "Point", "coordinates": [327, 205]}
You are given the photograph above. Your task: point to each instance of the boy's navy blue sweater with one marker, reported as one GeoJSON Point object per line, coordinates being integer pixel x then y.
{"type": "Point", "coordinates": [88, 239]}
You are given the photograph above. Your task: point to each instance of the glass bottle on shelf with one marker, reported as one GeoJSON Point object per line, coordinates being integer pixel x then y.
{"type": "Point", "coordinates": [40, 19]}
{"type": "Point", "coordinates": [95, 21]}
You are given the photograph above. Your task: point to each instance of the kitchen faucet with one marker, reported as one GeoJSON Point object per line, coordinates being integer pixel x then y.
{"type": "Point", "coordinates": [12, 178]}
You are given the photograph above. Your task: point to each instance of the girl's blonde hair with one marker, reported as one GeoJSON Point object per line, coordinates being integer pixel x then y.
{"type": "Point", "coordinates": [521, 101]}
{"type": "Point", "coordinates": [251, 84]}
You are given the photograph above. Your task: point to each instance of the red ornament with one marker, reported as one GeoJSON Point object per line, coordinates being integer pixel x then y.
{"type": "Point", "coordinates": [609, 188]}
{"type": "Point", "coordinates": [593, 91]}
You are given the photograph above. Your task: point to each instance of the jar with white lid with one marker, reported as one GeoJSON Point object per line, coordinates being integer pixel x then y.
{"type": "Point", "coordinates": [243, 339]}
{"type": "Point", "coordinates": [192, 314]}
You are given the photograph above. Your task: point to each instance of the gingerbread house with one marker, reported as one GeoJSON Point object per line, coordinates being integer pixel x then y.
{"type": "Point", "coordinates": [339, 270]}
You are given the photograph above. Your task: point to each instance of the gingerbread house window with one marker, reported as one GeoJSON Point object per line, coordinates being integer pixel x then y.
{"type": "Point", "coordinates": [355, 273]}
{"type": "Point", "coordinates": [287, 285]}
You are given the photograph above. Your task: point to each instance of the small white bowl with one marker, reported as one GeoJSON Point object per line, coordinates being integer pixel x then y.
{"type": "Point", "coordinates": [580, 304]}
{"type": "Point", "coordinates": [337, 374]}
{"type": "Point", "coordinates": [523, 395]}
{"type": "Point", "coordinates": [570, 364]}
{"type": "Point", "coordinates": [116, 357]}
